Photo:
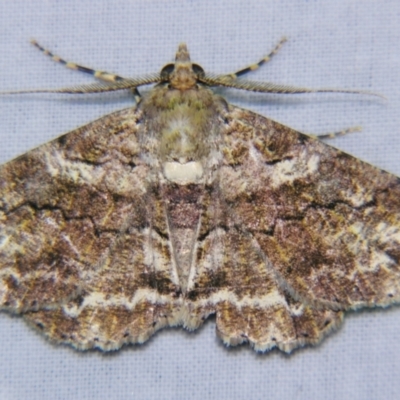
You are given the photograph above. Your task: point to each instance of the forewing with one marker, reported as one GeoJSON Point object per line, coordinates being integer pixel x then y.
{"type": "Point", "coordinates": [80, 255]}
{"type": "Point", "coordinates": [327, 223]}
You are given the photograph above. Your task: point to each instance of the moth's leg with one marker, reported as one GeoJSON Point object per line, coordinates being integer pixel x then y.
{"type": "Point", "coordinates": [332, 135]}
{"type": "Point", "coordinates": [101, 75]}
{"type": "Point", "coordinates": [264, 60]}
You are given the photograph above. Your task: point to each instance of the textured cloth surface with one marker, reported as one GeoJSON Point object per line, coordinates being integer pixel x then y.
{"type": "Point", "coordinates": [342, 43]}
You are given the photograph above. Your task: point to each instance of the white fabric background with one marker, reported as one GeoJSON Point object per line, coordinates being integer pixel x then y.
{"type": "Point", "coordinates": [340, 43]}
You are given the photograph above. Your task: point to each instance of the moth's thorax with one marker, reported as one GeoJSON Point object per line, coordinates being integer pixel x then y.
{"type": "Point", "coordinates": [182, 125]}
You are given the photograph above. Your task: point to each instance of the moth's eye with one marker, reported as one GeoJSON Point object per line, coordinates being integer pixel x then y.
{"type": "Point", "coordinates": [167, 70]}
{"type": "Point", "coordinates": [199, 71]}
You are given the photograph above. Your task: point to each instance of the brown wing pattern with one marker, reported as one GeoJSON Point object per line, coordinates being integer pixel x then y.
{"type": "Point", "coordinates": [125, 302]}
{"type": "Point", "coordinates": [328, 223]}
{"type": "Point", "coordinates": [288, 235]}
{"type": "Point", "coordinates": [233, 281]}
{"type": "Point", "coordinates": [307, 232]}
{"type": "Point", "coordinates": [78, 254]}
{"type": "Point", "coordinates": [185, 206]}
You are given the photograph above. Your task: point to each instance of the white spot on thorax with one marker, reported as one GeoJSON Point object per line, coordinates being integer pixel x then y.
{"type": "Point", "coordinates": [183, 174]}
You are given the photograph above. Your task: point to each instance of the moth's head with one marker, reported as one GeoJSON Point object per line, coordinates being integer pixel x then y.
{"type": "Point", "coordinates": [182, 74]}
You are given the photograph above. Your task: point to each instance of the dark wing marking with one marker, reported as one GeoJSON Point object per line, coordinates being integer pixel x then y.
{"type": "Point", "coordinates": [77, 245]}
{"type": "Point", "coordinates": [328, 223]}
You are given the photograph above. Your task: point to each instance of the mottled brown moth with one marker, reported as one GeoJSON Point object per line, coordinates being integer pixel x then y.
{"type": "Point", "coordinates": [185, 206]}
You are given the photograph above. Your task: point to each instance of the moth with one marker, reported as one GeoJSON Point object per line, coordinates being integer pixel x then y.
{"type": "Point", "coordinates": [184, 206]}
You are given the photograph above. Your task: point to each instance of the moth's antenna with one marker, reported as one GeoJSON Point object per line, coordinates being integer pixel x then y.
{"type": "Point", "coordinates": [230, 80]}
{"type": "Point", "coordinates": [102, 75]}
{"type": "Point", "coordinates": [110, 82]}
{"type": "Point", "coordinates": [270, 87]}
{"type": "Point", "coordinates": [254, 67]}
